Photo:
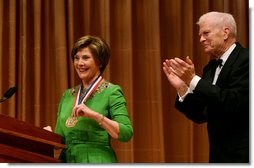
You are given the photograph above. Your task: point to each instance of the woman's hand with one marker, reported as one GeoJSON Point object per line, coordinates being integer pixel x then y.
{"type": "Point", "coordinates": [112, 127]}
{"type": "Point", "coordinates": [48, 128]}
{"type": "Point", "coordinates": [83, 110]}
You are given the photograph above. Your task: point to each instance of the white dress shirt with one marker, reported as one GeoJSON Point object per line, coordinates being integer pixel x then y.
{"type": "Point", "coordinates": [196, 78]}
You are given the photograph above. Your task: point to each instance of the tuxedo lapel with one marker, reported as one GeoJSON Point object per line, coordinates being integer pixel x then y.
{"type": "Point", "coordinates": [226, 69]}
{"type": "Point", "coordinates": [209, 71]}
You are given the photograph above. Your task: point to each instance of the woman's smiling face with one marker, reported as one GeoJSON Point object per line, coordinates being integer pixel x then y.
{"type": "Point", "coordinates": [86, 66]}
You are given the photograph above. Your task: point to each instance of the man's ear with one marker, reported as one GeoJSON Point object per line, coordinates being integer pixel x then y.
{"type": "Point", "coordinates": [226, 33]}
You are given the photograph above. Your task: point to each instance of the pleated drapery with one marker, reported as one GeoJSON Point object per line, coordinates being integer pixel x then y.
{"type": "Point", "coordinates": [36, 37]}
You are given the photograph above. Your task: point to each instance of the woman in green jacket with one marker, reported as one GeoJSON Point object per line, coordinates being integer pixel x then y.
{"type": "Point", "coordinates": [92, 113]}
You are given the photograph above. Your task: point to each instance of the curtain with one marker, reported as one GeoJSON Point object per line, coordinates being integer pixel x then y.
{"type": "Point", "coordinates": [36, 38]}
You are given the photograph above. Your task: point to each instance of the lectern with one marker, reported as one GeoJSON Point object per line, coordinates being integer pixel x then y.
{"type": "Point", "coordinates": [21, 142]}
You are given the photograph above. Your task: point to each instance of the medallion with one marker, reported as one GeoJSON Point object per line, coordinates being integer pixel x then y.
{"type": "Point", "coordinates": [71, 121]}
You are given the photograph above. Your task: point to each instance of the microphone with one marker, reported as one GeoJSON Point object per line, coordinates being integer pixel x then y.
{"type": "Point", "coordinates": [8, 94]}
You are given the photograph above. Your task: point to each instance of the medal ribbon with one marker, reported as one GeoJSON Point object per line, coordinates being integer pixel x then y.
{"type": "Point", "coordinates": [89, 91]}
{"type": "Point", "coordinates": [71, 121]}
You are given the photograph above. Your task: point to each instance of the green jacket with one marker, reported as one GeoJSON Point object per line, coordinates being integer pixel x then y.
{"type": "Point", "coordinates": [87, 142]}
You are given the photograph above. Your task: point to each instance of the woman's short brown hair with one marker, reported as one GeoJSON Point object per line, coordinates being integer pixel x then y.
{"type": "Point", "coordinates": [98, 47]}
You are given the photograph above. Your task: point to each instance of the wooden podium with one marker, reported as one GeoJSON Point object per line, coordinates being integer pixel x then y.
{"type": "Point", "coordinates": [21, 142]}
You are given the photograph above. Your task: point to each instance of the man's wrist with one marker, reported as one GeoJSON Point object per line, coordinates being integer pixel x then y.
{"type": "Point", "coordinates": [182, 90]}
{"type": "Point", "coordinates": [183, 95]}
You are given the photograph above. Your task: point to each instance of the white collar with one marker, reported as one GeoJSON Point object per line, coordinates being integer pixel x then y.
{"type": "Point", "coordinates": [226, 54]}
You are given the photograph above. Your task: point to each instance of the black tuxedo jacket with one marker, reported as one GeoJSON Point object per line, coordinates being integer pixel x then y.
{"type": "Point", "coordinates": [225, 108]}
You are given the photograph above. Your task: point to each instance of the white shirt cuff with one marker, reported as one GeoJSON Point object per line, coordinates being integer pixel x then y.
{"type": "Point", "coordinates": [192, 86]}
{"type": "Point", "coordinates": [194, 82]}
{"type": "Point", "coordinates": [181, 98]}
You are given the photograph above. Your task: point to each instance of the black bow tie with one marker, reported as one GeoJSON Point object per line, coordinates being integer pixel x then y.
{"type": "Point", "coordinates": [215, 63]}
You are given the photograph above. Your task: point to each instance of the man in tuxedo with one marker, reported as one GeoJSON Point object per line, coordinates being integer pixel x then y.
{"type": "Point", "coordinates": [221, 96]}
